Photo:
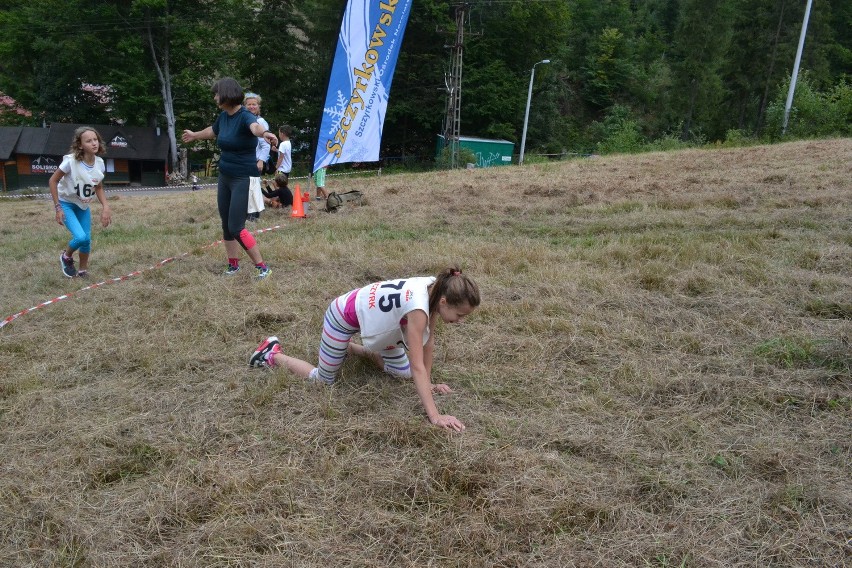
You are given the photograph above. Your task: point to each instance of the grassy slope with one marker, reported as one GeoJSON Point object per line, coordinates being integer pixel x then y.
{"type": "Point", "coordinates": [659, 375]}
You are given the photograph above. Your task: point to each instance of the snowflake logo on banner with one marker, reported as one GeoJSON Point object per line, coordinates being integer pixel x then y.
{"type": "Point", "coordinates": [336, 113]}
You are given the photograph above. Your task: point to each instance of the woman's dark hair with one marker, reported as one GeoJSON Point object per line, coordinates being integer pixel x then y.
{"type": "Point", "coordinates": [229, 91]}
{"type": "Point", "coordinates": [456, 287]}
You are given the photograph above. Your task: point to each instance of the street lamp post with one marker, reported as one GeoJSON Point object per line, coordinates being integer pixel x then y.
{"type": "Point", "coordinates": [527, 112]}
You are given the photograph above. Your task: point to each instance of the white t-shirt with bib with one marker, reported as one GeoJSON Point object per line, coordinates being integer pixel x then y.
{"type": "Point", "coordinates": [381, 307]}
{"type": "Point", "coordinates": [77, 186]}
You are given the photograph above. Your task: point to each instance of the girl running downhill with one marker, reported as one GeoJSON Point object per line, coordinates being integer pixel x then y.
{"type": "Point", "coordinates": [72, 186]}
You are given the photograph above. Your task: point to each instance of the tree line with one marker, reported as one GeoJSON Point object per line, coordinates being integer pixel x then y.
{"type": "Point", "coordinates": [622, 74]}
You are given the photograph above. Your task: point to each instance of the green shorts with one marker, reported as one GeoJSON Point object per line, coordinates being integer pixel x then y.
{"type": "Point", "coordinates": [319, 177]}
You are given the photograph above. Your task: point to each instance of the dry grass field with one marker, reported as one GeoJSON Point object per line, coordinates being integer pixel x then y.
{"type": "Point", "coordinates": [659, 375]}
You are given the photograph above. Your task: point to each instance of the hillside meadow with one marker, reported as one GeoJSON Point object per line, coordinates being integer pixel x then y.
{"type": "Point", "coordinates": [658, 375]}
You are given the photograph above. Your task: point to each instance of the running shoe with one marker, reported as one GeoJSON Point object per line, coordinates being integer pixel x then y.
{"type": "Point", "coordinates": [262, 355]}
{"type": "Point", "coordinates": [231, 270]}
{"type": "Point", "coordinates": [67, 265]}
{"type": "Point", "coordinates": [84, 274]}
{"type": "Point", "coordinates": [262, 273]}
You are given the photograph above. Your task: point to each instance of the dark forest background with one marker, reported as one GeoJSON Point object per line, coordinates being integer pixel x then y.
{"type": "Point", "coordinates": [624, 75]}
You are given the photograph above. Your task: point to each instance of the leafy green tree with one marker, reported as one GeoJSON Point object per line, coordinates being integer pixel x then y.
{"type": "Point", "coordinates": [509, 39]}
{"type": "Point", "coordinates": [146, 59]}
{"type": "Point", "coordinates": [840, 48]}
{"type": "Point", "coordinates": [48, 62]}
{"type": "Point", "coordinates": [700, 44]}
{"type": "Point", "coordinates": [814, 113]}
{"type": "Point", "coordinates": [608, 67]}
{"type": "Point", "coordinates": [279, 58]}
{"type": "Point", "coordinates": [168, 33]}
{"type": "Point", "coordinates": [619, 132]}
{"type": "Point", "coordinates": [12, 113]}
{"type": "Point", "coordinates": [417, 100]}
{"type": "Point", "coordinates": [599, 65]}
{"type": "Point", "coordinates": [765, 35]}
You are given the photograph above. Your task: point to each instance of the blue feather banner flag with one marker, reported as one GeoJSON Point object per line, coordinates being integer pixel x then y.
{"type": "Point", "coordinates": [359, 86]}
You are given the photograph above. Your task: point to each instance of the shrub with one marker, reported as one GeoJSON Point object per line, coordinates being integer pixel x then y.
{"type": "Point", "coordinates": [619, 132]}
{"type": "Point", "coordinates": [465, 156]}
{"type": "Point", "coordinates": [738, 138]}
{"type": "Point", "coordinates": [668, 142]}
{"type": "Point", "coordinates": [813, 113]}
{"type": "Point", "coordinates": [535, 159]}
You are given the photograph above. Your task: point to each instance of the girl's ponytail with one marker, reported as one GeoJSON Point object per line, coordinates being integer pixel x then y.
{"type": "Point", "coordinates": [456, 287]}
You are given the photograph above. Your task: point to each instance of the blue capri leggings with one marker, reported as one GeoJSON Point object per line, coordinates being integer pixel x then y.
{"type": "Point", "coordinates": [79, 222]}
{"type": "Point", "coordinates": [334, 342]}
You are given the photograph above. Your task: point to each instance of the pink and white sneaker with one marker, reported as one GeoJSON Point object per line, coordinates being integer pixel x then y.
{"type": "Point", "coordinates": [263, 355]}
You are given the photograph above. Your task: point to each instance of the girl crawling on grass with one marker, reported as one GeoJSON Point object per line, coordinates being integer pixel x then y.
{"type": "Point", "coordinates": [393, 317]}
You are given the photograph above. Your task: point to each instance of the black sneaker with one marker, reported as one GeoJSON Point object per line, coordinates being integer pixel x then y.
{"type": "Point", "coordinates": [84, 274]}
{"type": "Point", "coordinates": [67, 265]}
{"type": "Point", "coordinates": [258, 358]}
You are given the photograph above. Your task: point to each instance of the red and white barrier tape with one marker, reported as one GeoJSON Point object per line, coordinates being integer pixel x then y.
{"type": "Point", "coordinates": [175, 188]}
{"type": "Point", "coordinates": [163, 262]}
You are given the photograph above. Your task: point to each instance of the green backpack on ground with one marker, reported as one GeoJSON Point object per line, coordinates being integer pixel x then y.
{"type": "Point", "coordinates": [336, 200]}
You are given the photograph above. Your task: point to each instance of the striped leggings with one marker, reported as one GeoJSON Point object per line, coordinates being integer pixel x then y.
{"type": "Point", "coordinates": [336, 334]}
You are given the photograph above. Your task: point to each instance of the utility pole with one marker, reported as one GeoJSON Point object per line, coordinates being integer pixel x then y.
{"type": "Point", "coordinates": [452, 119]}
{"type": "Point", "coordinates": [795, 76]}
{"type": "Point", "coordinates": [527, 111]}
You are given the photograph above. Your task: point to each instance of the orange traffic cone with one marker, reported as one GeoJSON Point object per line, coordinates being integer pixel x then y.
{"type": "Point", "coordinates": [298, 208]}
